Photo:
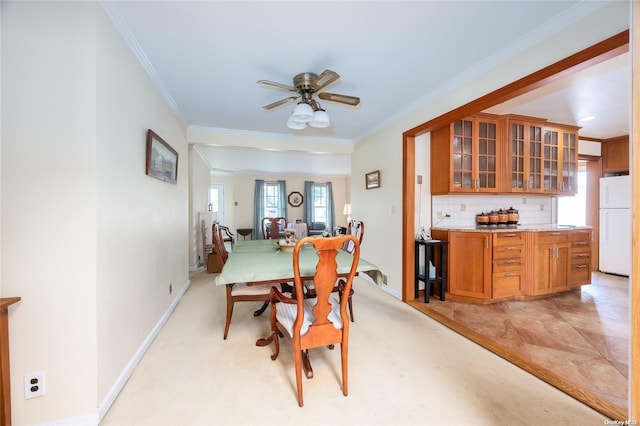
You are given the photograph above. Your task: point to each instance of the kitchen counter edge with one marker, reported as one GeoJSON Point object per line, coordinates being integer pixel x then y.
{"type": "Point", "coordinates": [508, 228]}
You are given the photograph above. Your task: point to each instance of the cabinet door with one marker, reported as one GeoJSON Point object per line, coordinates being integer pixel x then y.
{"type": "Point", "coordinates": [552, 267]}
{"type": "Point", "coordinates": [525, 156]}
{"type": "Point", "coordinates": [462, 153]}
{"type": "Point", "coordinates": [487, 158]}
{"type": "Point", "coordinates": [533, 170]}
{"type": "Point", "coordinates": [470, 264]}
{"type": "Point", "coordinates": [551, 161]}
{"type": "Point", "coordinates": [569, 184]}
{"type": "Point", "coordinates": [474, 155]}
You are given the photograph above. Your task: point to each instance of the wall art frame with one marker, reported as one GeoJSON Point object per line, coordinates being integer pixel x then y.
{"type": "Point", "coordinates": [372, 180]}
{"type": "Point", "coordinates": [162, 159]}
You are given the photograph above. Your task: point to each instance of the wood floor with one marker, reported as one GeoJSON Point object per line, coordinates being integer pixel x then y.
{"type": "Point", "coordinates": [576, 341]}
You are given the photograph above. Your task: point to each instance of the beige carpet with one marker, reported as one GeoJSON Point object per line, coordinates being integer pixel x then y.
{"type": "Point", "coordinates": [405, 369]}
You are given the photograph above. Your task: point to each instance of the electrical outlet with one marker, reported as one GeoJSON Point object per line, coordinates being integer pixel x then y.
{"type": "Point", "coordinates": [541, 207]}
{"type": "Point", "coordinates": [440, 215]}
{"type": "Point", "coordinates": [463, 207]}
{"type": "Point", "coordinates": [34, 384]}
{"type": "Point", "coordinates": [524, 201]}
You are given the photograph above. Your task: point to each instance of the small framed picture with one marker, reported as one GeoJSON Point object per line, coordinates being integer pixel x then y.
{"type": "Point", "coordinates": [162, 159]}
{"type": "Point", "coordinates": [295, 199]}
{"type": "Point", "coordinates": [372, 180]}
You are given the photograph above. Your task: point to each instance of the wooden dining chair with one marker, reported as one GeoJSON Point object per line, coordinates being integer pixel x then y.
{"type": "Point", "coordinates": [239, 292]}
{"type": "Point", "coordinates": [317, 322]}
{"type": "Point", "coordinates": [355, 228]}
{"type": "Point", "coordinates": [272, 227]}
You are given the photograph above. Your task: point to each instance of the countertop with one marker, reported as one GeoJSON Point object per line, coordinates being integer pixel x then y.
{"type": "Point", "coordinates": [540, 227]}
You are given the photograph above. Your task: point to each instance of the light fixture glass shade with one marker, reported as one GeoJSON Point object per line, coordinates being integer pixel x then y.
{"type": "Point", "coordinates": [292, 123]}
{"type": "Point", "coordinates": [303, 112]}
{"type": "Point", "coordinates": [320, 119]}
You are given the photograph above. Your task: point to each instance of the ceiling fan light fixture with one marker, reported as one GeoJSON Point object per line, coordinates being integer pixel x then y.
{"type": "Point", "coordinates": [320, 119]}
{"type": "Point", "coordinates": [292, 123]}
{"type": "Point", "coordinates": [303, 112]}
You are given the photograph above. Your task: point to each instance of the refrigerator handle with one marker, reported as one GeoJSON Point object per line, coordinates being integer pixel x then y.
{"type": "Point", "coordinates": [606, 225]}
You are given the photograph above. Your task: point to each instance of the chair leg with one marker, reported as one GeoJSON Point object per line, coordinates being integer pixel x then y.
{"type": "Point", "coordinates": [350, 308]}
{"type": "Point", "coordinates": [228, 320]}
{"type": "Point", "coordinates": [298, 366]}
{"type": "Point", "coordinates": [262, 309]}
{"type": "Point", "coordinates": [344, 349]}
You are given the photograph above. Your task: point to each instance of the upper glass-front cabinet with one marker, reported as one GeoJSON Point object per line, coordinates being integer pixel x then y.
{"type": "Point", "coordinates": [542, 157]}
{"type": "Point", "coordinates": [507, 154]}
{"type": "Point", "coordinates": [474, 155]}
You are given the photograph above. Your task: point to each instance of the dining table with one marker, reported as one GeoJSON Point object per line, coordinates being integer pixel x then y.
{"type": "Point", "coordinates": [264, 261]}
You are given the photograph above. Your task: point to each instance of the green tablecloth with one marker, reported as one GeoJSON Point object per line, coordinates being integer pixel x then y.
{"type": "Point", "coordinates": [263, 261]}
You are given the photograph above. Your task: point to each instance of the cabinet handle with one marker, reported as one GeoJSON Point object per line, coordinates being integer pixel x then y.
{"type": "Point", "coordinates": [511, 261]}
{"type": "Point", "coordinates": [509, 248]}
{"type": "Point", "coordinates": [554, 233]}
{"type": "Point", "coordinates": [510, 274]}
{"type": "Point", "coordinates": [581, 266]}
{"type": "Point", "coordinates": [511, 235]}
{"type": "Point", "coordinates": [581, 243]}
{"type": "Point", "coordinates": [582, 255]}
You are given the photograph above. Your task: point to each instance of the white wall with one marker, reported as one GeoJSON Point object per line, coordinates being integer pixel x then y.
{"type": "Point", "coordinates": [89, 241]}
{"type": "Point", "coordinates": [241, 186]}
{"type": "Point", "coordinates": [49, 204]}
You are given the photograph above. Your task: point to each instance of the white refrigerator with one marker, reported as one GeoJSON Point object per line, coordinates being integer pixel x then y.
{"type": "Point", "coordinates": [615, 225]}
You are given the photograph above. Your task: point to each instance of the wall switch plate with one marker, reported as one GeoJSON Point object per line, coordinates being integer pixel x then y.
{"type": "Point", "coordinates": [33, 384]}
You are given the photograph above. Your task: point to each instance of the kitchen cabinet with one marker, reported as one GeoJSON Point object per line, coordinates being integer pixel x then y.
{"type": "Point", "coordinates": [525, 155]}
{"type": "Point", "coordinates": [465, 156]}
{"type": "Point", "coordinates": [551, 263]}
{"type": "Point", "coordinates": [580, 257]}
{"type": "Point", "coordinates": [494, 265]}
{"type": "Point", "coordinates": [615, 155]}
{"type": "Point", "coordinates": [487, 153]}
{"type": "Point", "coordinates": [508, 265]}
{"type": "Point", "coordinates": [470, 265]}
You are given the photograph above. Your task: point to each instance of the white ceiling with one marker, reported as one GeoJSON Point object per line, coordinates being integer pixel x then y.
{"type": "Point", "coordinates": [206, 57]}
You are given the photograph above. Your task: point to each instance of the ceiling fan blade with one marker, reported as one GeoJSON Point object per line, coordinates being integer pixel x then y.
{"type": "Point", "coordinates": [343, 99]}
{"type": "Point", "coordinates": [327, 77]}
{"type": "Point", "coordinates": [273, 84]}
{"type": "Point", "coordinates": [279, 103]}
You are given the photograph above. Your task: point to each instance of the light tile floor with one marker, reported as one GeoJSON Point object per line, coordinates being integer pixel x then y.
{"type": "Point", "coordinates": [582, 335]}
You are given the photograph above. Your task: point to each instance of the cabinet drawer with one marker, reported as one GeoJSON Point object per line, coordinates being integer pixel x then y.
{"type": "Point", "coordinates": [580, 256]}
{"type": "Point", "coordinates": [581, 235]}
{"type": "Point", "coordinates": [581, 244]}
{"type": "Point", "coordinates": [507, 284]}
{"type": "Point", "coordinates": [514, 263]}
{"type": "Point", "coordinates": [581, 273]}
{"type": "Point", "coordinates": [508, 238]}
{"type": "Point", "coordinates": [508, 251]}
{"type": "Point", "coordinates": [552, 237]}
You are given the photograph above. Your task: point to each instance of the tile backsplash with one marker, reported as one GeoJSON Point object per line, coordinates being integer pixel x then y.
{"type": "Point", "coordinates": [464, 208]}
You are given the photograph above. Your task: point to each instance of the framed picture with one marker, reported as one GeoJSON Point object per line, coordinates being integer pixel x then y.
{"type": "Point", "coordinates": [295, 199]}
{"type": "Point", "coordinates": [162, 160]}
{"type": "Point", "coordinates": [372, 180]}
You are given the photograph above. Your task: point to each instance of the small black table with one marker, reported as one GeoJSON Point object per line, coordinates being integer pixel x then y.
{"type": "Point", "coordinates": [245, 232]}
{"type": "Point", "coordinates": [441, 269]}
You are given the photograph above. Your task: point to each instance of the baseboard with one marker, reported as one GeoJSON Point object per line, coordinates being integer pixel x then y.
{"type": "Point", "coordinates": [111, 396]}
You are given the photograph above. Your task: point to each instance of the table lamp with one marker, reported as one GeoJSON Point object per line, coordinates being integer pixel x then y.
{"type": "Point", "coordinates": [347, 211]}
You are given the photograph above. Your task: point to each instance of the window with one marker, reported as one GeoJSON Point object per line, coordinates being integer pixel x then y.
{"type": "Point", "coordinates": [572, 210]}
{"type": "Point", "coordinates": [320, 203]}
{"type": "Point", "coordinates": [271, 199]}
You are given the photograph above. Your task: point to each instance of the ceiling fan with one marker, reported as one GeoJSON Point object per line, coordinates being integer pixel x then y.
{"type": "Point", "coordinates": [307, 86]}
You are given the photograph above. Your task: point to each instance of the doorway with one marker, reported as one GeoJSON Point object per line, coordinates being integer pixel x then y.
{"type": "Point", "coordinates": [216, 198]}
